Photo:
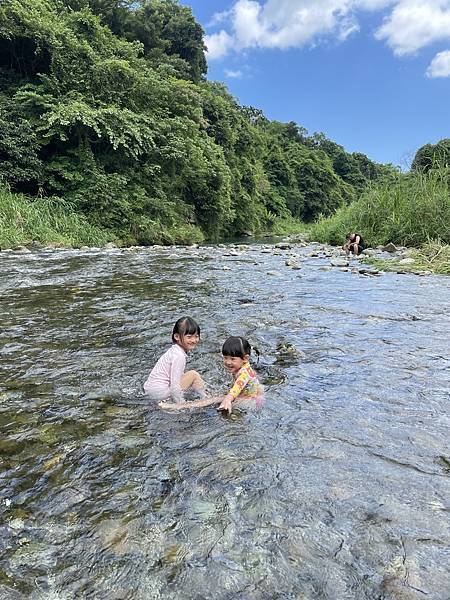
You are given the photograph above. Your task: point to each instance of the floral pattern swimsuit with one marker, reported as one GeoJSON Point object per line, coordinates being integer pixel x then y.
{"type": "Point", "coordinates": [246, 384]}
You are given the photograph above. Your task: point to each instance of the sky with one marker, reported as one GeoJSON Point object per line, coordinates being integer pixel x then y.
{"type": "Point", "coordinates": [372, 75]}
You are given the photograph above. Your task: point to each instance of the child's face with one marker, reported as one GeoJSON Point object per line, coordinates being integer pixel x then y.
{"type": "Point", "coordinates": [233, 364]}
{"type": "Point", "coordinates": [188, 341]}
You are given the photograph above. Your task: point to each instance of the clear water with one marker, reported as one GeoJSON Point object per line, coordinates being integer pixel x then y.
{"type": "Point", "coordinates": [338, 488]}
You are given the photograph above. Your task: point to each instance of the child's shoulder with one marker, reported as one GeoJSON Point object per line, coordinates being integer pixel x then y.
{"type": "Point", "coordinates": [247, 368]}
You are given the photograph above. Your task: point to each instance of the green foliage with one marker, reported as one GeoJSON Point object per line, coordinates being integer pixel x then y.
{"type": "Point", "coordinates": [431, 257]}
{"type": "Point", "coordinates": [410, 212]}
{"type": "Point", "coordinates": [432, 156]}
{"type": "Point", "coordinates": [19, 149]}
{"type": "Point", "coordinates": [104, 103]}
{"type": "Point", "coordinates": [45, 220]}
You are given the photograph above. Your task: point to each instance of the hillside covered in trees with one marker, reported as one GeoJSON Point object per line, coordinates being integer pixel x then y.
{"type": "Point", "coordinates": [106, 115]}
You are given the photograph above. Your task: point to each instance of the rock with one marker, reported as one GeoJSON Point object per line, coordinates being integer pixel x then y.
{"type": "Point", "coordinates": [110, 246]}
{"type": "Point", "coordinates": [339, 262]}
{"type": "Point", "coordinates": [390, 247]}
{"type": "Point", "coordinates": [283, 246]}
{"type": "Point", "coordinates": [293, 264]}
{"type": "Point", "coordinates": [344, 269]}
{"type": "Point", "coordinates": [22, 250]}
{"type": "Point", "coordinates": [247, 233]}
{"type": "Point", "coordinates": [369, 252]}
{"type": "Point", "coordinates": [298, 238]}
{"type": "Point", "coordinates": [34, 245]}
{"type": "Point", "coordinates": [363, 271]}
{"type": "Point", "coordinates": [326, 268]}
{"type": "Point", "coordinates": [274, 273]}
{"type": "Point", "coordinates": [406, 261]}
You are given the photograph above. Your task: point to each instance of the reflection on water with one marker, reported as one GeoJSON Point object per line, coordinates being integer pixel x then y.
{"type": "Point", "coordinates": [338, 488]}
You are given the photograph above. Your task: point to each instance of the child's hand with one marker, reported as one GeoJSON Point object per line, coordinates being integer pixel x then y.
{"type": "Point", "coordinates": [226, 405]}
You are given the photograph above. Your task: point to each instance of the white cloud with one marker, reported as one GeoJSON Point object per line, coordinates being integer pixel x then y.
{"type": "Point", "coordinates": [219, 17]}
{"type": "Point", "coordinates": [409, 26]}
{"type": "Point", "coordinates": [218, 44]}
{"type": "Point", "coordinates": [233, 74]}
{"type": "Point", "coordinates": [413, 25]}
{"type": "Point", "coordinates": [440, 65]}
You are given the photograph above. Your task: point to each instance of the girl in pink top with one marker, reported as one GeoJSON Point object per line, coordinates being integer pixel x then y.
{"type": "Point", "coordinates": [167, 379]}
{"type": "Point", "coordinates": [236, 356]}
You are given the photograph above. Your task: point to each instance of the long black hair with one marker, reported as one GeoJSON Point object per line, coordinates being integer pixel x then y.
{"type": "Point", "coordinates": [185, 326]}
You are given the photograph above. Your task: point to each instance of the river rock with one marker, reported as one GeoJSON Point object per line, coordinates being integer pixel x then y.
{"type": "Point", "coordinates": [298, 238]}
{"type": "Point", "coordinates": [390, 247]}
{"type": "Point", "coordinates": [22, 250]}
{"type": "Point", "coordinates": [369, 252]}
{"type": "Point", "coordinates": [35, 245]}
{"type": "Point", "coordinates": [363, 271]}
{"type": "Point", "coordinates": [407, 261]}
{"type": "Point", "coordinates": [274, 273]}
{"type": "Point", "coordinates": [110, 246]}
{"type": "Point", "coordinates": [283, 246]}
{"type": "Point", "coordinates": [339, 262]}
{"type": "Point", "coordinates": [293, 264]}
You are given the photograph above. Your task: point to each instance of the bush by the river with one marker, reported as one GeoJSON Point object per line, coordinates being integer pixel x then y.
{"type": "Point", "coordinates": [45, 220]}
{"type": "Point", "coordinates": [408, 210]}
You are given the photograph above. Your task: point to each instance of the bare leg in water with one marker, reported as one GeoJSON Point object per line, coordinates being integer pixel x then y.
{"type": "Point", "coordinates": [195, 404]}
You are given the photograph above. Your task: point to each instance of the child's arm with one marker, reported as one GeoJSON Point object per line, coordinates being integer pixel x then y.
{"type": "Point", "coordinates": [195, 404]}
{"type": "Point", "coordinates": [226, 403]}
{"type": "Point", "coordinates": [176, 372]}
{"type": "Point", "coordinates": [241, 381]}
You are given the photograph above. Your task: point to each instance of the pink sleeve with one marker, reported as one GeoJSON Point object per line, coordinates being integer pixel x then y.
{"type": "Point", "coordinates": [176, 371]}
{"type": "Point", "coordinates": [240, 383]}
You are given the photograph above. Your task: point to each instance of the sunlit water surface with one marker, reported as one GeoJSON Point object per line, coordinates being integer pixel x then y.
{"type": "Point", "coordinates": [337, 489]}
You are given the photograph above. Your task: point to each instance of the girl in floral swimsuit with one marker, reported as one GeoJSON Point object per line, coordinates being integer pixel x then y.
{"type": "Point", "coordinates": [236, 356]}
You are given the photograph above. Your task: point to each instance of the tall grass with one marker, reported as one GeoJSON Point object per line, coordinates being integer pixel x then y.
{"type": "Point", "coordinates": [409, 211]}
{"type": "Point", "coordinates": [44, 220]}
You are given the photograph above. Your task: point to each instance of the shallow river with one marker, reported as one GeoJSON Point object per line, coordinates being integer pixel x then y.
{"type": "Point", "coordinates": [338, 488]}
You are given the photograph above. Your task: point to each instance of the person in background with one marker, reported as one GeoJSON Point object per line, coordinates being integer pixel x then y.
{"type": "Point", "coordinates": [354, 244]}
{"type": "Point", "coordinates": [167, 379]}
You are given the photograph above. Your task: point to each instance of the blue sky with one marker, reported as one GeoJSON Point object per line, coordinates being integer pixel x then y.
{"type": "Point", "coordinates": [373, 75]}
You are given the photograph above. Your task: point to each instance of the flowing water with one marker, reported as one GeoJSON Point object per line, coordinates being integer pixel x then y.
{"type": "Point", "coordinates": [338, 488]}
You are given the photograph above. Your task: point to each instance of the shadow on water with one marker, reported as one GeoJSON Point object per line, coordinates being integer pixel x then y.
{"type": "Point", "coordinates": [338, 488]}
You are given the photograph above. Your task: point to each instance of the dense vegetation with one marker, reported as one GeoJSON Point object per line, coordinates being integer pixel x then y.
{"type": "Point", "coordinates": [410, 210]}
{"type": "Point", "coordinates": [107, 122]}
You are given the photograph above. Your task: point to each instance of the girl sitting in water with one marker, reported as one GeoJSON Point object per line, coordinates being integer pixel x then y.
{"type": "Point", "coordinates": [167, 379]}
{"type": "Point", "coordinates": [236, 356]}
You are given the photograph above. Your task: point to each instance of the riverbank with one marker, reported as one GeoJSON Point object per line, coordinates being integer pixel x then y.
{"type": "Point", "coordinates": [52, 222]}
{"type": "Point", "coordinates": [26, 226]}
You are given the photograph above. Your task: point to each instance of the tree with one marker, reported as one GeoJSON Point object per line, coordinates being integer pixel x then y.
{"type": "Point", "coordinates": [432, 156]}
